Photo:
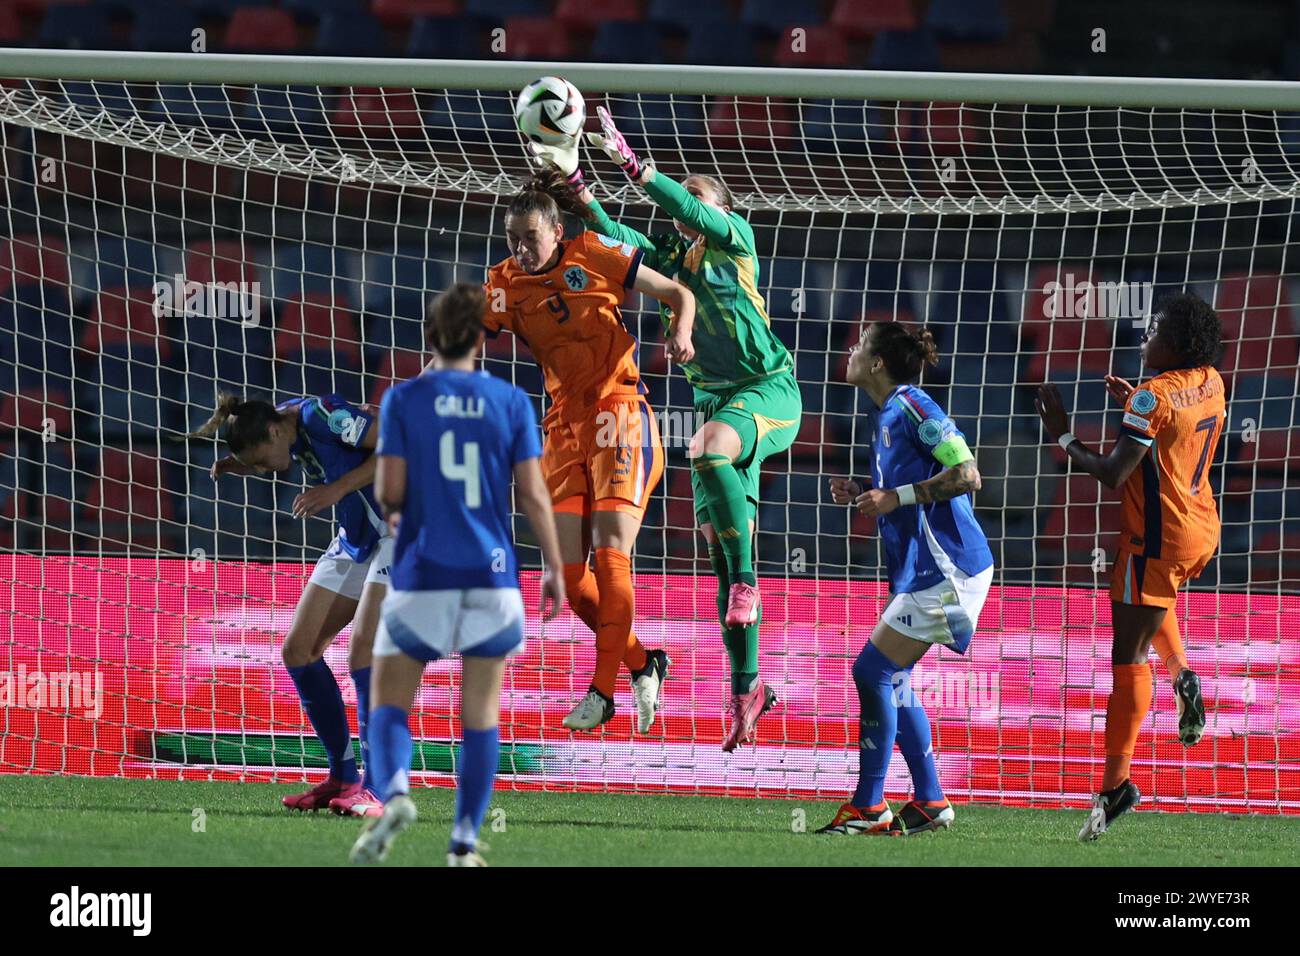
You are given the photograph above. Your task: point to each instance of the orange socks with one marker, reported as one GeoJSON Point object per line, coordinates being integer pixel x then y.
{"type": "Point", "coordinates": [605, 604]}
{"type": "Point", "coordinates": [1168, 643]}
{"type": "Point", "coordinates": [1130, 699]}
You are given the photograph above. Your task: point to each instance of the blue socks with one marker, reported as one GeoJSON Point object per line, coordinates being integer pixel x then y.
{"type": "Point", "coordinates": [323, 703]}
{"type": "Point", "coordinates": [390, 752]}
{"type": "Point", "coordinates": [890, 711]}
{"type": "Point", "coordinates": [361, 681]}
{"type": "Point", "coordinates": [915, 743]}
{"type": "Point", "coordinates": [478, 770]}
{"type": "Point", "coordinates": [873, 673]}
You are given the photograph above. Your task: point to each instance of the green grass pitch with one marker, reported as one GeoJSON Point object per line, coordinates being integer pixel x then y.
{"type": "Point", "coordinates": [91, 822]}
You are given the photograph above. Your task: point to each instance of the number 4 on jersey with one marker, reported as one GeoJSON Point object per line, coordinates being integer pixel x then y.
{"type": "Point", "coordinates": [466, 471]}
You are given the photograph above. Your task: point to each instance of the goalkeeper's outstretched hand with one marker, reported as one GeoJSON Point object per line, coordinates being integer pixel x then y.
{"type": "Point", "coordinates": [611, 141]}
{"type": "Point", "coordinates": [563, 157]}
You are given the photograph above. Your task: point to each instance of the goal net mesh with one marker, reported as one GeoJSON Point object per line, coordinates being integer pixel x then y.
{"type": "Point", "coordinates": [160, 241]}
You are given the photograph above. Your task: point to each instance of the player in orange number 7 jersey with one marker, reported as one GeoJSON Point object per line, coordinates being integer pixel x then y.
{"type": "Point", "coordinates": [1169, 525]}
{"type": "Point", "coordinates": [601, 455]}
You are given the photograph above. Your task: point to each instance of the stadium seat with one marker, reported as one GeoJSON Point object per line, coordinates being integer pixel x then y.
{"type": "Point", "coordinates": [123, 317]}
{"type": "Point", "coordinates": [498, 11]}
{"type": "Point", "coordinates": [397, 366]}
{"type": "Point", "coordinates": [1258, 335]}
{"type": "Point", "coordinates": [290, 114]}
{"type": "Point", "coordinates": [980, 20]}
{"type": "Point", "coordinates": [75, 26]}
{"type": "Point", "coordinates": [536, 38]}
{"type": "Point", "coordinates": [223, 261]}
{"type": "Point", "coordinates": [621, 41]}
{"type": "Point", "coordinates": [350, 34]}
{"type": "Point", "coordinates": [126, 501]}
{"type": "Point", "coordinates": [904, 50]}
{"type": "Point", "coordinates": [444, 38]}
{"type": "Point", "coordinates": [735, 123]}
{"type": "Point", "coordinates": [32, 260]}
{"type": "Point", "coordinates": [1059, 340]}
{"type": "Point", "coordinates": [820, 46]}
{"type": "Point", "coordinates": [11, 26]}
{"type": "Point", "coordinates": [469, 114]}
{"type": "Point", "coordinates": [299, 268]}
{"type": "Point", "coordinates": [376, 114]}
{"type": "Point", "coordinates": [208, 107]}
{"type": "Point", "coordinates": [317, 323]}
{"type": "Point", "coordinates": [315, 11]}
{"type": "Point", "coordinates": [1083, 516]}
{"type": "Point", "coordinates": [772, 16]}
{"type": "Point", "coordinates": [587, 16]}
{"type": "Point", "coordinates": [719, 43]}
{"type": "Point", "coordinates": [1274, 453]}
{"type": "Point", "coordinates": [857, 19]}
{"type": "Point", "coordinates": [261, 29]}
{"type": "Point", "coordinates": [319, 372]}
{"type": "Point", "coordinates": [403, 12]}
{"type": "Point", "coordinates": [168, 29]}
{"type": "Point", "coordinates": [400, 284]}
{"type": "Point", "coordinates": [666, 121]}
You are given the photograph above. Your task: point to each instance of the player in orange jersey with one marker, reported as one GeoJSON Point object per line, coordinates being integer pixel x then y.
{"type": "Point", "coordinates": [601, 455]}
{"type": "Point", "coordinates": [1169, 525]}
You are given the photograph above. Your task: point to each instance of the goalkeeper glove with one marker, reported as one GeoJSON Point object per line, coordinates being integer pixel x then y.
{"type": "Point", "coordinates": [563, 157]}
{"type": "Point", "coordinates": [615, 146]}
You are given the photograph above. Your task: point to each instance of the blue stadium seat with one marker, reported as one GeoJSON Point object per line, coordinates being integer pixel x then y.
{"type": "Point", "coordinates": [295, 269]}
{"type": "Point", "coordinates": [168, 29]}
{"type": "Point", "coordinates": [720, 43]}
{"type": "Point", "coordinates": [664, 120]}
{"type": "Point", "coordinates": [773, 15]}
{"type": "Point", "coordinates": [285, 113]}
{"type": "Point", "coordinates": [205, 106]}
{"type": "Point", "coordinates": [622, 41]}
{"type": "Point", "coordinates": [315, 11]}
{"type": "Point", "coordinates": [834, 126]}
{"type": "Point", "coordinates": [122, 262]}
{"type": "Point", "coordinates": [75, 26]}
{"type": "Point", "coordinates": [99, 95]}
{"type": "Point", "coordinates": [473, 116]}
{"type": "Point", "coordinates": [904, 50]}
{"type": "Point", "coordinates": [679, 15]}
{"type": "Point", "coordinates": [500, 10]}
{"type": "Point", "coordinates": [400, 284]}
{"type": "Point", "coordinates": [350, 34]}
{"type": "Point", "coordinates": [967, 20]}
{"type": "Point", "coordinates": [445, 38]}
{"type": "Point", "coordinates": [318, 372]}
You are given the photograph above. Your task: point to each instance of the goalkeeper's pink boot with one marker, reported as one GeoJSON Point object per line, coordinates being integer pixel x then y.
{"type": "Point", "coordinates": [742, 605]}
{"type": "Point", "coordinates": [746, 709]}
{"type": "Point", "coordinates": [319, 796]}
{"type": "Point", "coordinates": [363, 803]}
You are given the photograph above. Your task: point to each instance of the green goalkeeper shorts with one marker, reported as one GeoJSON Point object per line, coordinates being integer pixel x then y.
{"type": "Point", "coordinates": [765, 415]}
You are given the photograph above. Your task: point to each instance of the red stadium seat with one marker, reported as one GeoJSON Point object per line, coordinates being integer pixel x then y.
{"type": "Point", "coordinates": [1257, 331]}
{"type": "Point", "coordinates": [32, 259]}
{"type": "Point", "coordinates": [128, 488]}
{"type": "Point", "coordinates": [536, 38]}
{"type": "Point", "coordinates": [822, 45]}
{"type": "Point", "coordinates": [1062, 331]}
{"type": "Point", "coordinates": [856, 18]}
{"type": "Point", "coordinates": [758, 125]}
{"type": "Point", "coordinates": [223, 262]}
{"type": "Point", "coordinates": [1275, 452]}
{"type": "Point", "coordinates": [124, 317]}
{"type": "Point", "coordinates": [816, 438]}
{"type": "Point", "coordinates": [376, 113]}
{"type": "Point", "coordinates": [318, 322]}
{"type": "Point", "coordinates": [679, 508]}
{"type": "Point", "coordinates": [261, 28]}
{"type": "Point", "coordinates": [11, 27]}
{"type": "Point", "coordinates": [1275, 559]}
{"type": "Point", "coordinates": [402, 12]}
{"type": "Point", "coordinates": [397, 366]}
{"type": "Point", "coordinates": [585, 15]}
{"type": "Point", "coordinates": [1083, 516]}
{"type": "Point", "coordinates": [32, 407]}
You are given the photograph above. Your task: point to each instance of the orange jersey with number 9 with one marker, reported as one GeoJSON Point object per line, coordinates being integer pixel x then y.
{"type": "Point", "coordinates": [569, 317]}
{"type": "Point", "coordinates": [1168, 505]}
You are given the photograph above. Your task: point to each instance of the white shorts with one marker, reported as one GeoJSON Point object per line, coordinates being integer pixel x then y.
{"type": "Point", "coordinates": [337, 572]}
{"type": "Point", "coordinates": [946, 613]}
{"type": "Point", "coordinates": [428, 625]}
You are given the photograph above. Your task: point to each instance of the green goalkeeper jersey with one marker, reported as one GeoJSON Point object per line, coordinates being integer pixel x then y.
{"type": "Point", "coordinates": [732, 335]}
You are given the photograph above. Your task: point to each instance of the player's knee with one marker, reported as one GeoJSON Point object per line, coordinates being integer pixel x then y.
{"type": "Point", "coordinates": [715, 438]}
{"type": "Point", "coordinates": [299, 649]}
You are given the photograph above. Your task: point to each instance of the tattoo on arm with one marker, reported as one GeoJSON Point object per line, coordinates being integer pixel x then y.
{"type": "Point", "coordinates": [957, 480]}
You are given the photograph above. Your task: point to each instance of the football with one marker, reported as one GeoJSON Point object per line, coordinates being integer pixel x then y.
{"type": "Point", "coordinates": [550, 110]}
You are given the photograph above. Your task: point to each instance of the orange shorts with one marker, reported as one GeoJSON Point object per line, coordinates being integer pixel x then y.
{"type": "Point", "coordinates": [610, 460]}
{"type": "Point", "coordinates": [1152, 581]}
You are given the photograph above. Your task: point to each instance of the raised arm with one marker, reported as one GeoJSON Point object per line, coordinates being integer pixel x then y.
{"type": "Point", "coordinates": [680, 300]}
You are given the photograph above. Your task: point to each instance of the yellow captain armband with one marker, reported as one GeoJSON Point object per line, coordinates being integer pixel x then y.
{"type": "Point", "coordinates": [952, 451]}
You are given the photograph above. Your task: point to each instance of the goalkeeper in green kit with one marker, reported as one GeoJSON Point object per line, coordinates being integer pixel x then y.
{"type": "Point", "coordinates": [743, 378]}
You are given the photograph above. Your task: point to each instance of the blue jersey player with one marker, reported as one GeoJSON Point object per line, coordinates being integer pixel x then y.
{"type": "Point", "coordinates": [939, 565]}
{"type": "Point", "coordinates": [451, 441]}
{"type": "Point", "coordinates": [333, 442]}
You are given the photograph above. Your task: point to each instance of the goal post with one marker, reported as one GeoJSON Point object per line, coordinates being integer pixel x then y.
{"type": "Point", "coordinates": [175, 223]}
